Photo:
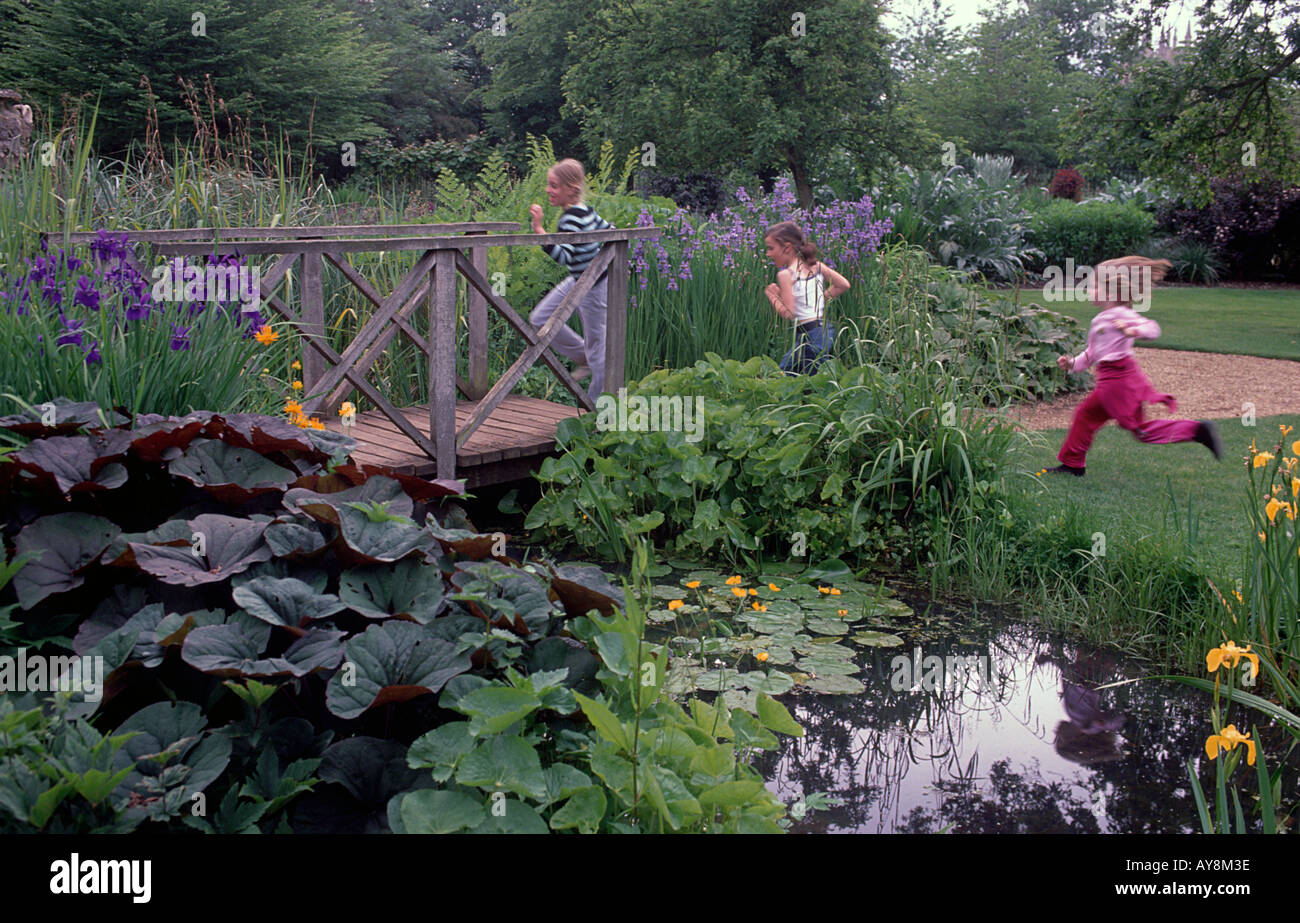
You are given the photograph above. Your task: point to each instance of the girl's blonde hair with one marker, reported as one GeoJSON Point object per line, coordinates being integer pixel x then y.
{"type": "Point", "coordinates": [1122, 277]}
{"type": "Point", "coordinates": [787, 232]}
{"type": "Point", "coordinates": [570, 172]}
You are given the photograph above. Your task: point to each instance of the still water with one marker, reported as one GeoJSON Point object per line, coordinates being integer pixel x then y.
{"type": "Point", "coordinates": [1028, 746]}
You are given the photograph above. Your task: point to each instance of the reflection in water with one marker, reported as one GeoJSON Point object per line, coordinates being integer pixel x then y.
{"type": "Point", "coordinates": [1035, 747]}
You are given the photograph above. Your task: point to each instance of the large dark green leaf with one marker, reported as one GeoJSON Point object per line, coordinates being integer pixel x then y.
{"type": "Point", "coordinates": [297, 538]}
{"type": "Point", "coordinates": [285, 601]}
{"type": "Point", "coordinates": [433, 811]}
{"type": "Point", "coordinates": [408, 590]}
{"type": "Point", "coordinates": [391, 662]}
{"type": "Point", "coordinates": [582, 589]}
{"type": "Point", "coordinates": [377, 539]}
{"type": "Point", "coordinates": [228, 650]}
{"type": "Point", "coordinates": [325, 506]}
{"type": "Point", "coordinates": [77, 462]}
{"type": "Point", "coordinates": [506, 597]}
{"type": "Point", "coordinates": [68, 417]}
{"type": "Point", "coordinates": [362, 775]}
{"type": "Point", "coordinates": [63, 546]}
{"type": "Point", "coordinates": [231, 545]}
{"type": "Point", "coordinates": [231, 475]}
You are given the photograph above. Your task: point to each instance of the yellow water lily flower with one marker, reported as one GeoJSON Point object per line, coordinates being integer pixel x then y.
{"type": "Point", "coordinates": [675, 604]}
{"type": "Point", "coordinates": [347, 408]}
{"type": "Point", "coordinates": [1229, 655]}
{"type": "Point", "coordinates": [835, 592]}
{"type": "Point", "coordinates": [733, 581]}
{"type": "Point", "coordinates": [292, 408]}
{"type": "Point", "coordinates": [841, 612]}
{"type": "Point", "coordinates": [824, 590]}
{"type": "Point", "coordinates": [758, 606]}
{"type": "Point", "coordinates": [753, 592]}
{"type": "Point", "coordinates": [761, 656]}
{"type": "Point", "coordinates": [1262, 459]}
{"type": "Point", "coordinates": [739, 592]}
{"type": "Point", "coordinates": [266, 336]}
{"type": "Point", "coordinates": [693, 585]}
{"type": "Point", "coordinates": [776, 589]}
{"type": "Point", "coordinates": [1228, 740]}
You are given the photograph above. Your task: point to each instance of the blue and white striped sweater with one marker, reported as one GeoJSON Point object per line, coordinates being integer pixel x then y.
{"type": "Point", "coordinates": [577, 256]}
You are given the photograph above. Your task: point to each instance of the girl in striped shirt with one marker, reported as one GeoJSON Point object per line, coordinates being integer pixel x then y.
{"type": "Point", "coordinates": [565, 187]}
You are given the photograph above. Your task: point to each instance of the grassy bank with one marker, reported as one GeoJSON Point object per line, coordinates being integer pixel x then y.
{"type": "Point", "coordinates": [1241, 321]}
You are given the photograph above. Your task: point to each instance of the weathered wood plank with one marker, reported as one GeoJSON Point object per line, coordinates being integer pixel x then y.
{"type": "Point", "coordinates": [616, 319]}
{"type": "Point", "coordinates": [432, 242]}
{"type": "Point", "coordinates": [311, 320]}
{"type": "Point", "coordinates": [476, 309]}
{"type": "Point", "coordinates": [442, 363]}
{"type": "Point", "coordinates": [289, 232]}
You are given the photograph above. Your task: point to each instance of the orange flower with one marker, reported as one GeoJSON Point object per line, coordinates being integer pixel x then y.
{"type": "Point", "coordinates": [292, 408]}
{"type": "Point", "coordinates": [266, 336]}
{"type": "Point", "coordinates": [1229, 655]}
{"type": "Point", "coordinates": [753, 592]}
{"type": "Point", "coordinates": [1228, 740]}
{"type": "Point", "coordinates": [693, 585]}
{"type": "Point", "coordinates": [1262, 459]}
{"type": "Point", "coordinates": [297, 386]}
{"type": "Point", "coordinates": [776, 589]}
{"type": "Point", "coordinates": [733, 581]}
{"type": "Point", "coordinates": [758, 606]}
{"type": "Point", "coordinates": [739, 592]}
{"type": "Point", "coordinates": [835, 592]}
{"type": "Point", "coordinates": [761, 656]}
{"type": "Point", "coordinates": [675, 604]}
{"type": "Point", "coordinates": [822, 589]}
{"type": "Point", "coordinates": [1295, 447]}
{"type": "Point", "coordinates": [841, 612]}
{"type": "Point", "coordinates": [347, 409]}
{"type": "Point", "coordinates": [296, 365]}
{"type": "Point", "coordinates": [1271, 508]}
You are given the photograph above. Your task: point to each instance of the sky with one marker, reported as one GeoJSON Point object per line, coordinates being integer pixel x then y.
{"type": "Point", "coordinates": [967, 12]}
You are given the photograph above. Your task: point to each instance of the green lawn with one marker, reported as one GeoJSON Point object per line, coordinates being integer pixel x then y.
{"type": "Point", "coordinates": [1128, 483]}
{"type": "Point", "coordinates": [1248, 322]}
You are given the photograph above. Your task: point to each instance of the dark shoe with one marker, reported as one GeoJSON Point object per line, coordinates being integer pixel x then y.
{"type": "Point", "coordinates": [1207, 434]}
{"type": "Point", "coordinates": [1065, 469]}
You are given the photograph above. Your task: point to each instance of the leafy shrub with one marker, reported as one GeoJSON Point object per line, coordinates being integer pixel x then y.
{"type": "Point", "coordinates": [1253, 226]}
{"type": "Point", "coordinates": [424, 162]}
{"type": "Point", "coordinates": [1089, 233]}
{"type": "Point", "coordinates": [1192, 260]}
{"type": "Point", "coordinates": [699, 191]}
{"type": "Point", "coordinates": [278, 625]}
{"type": "Point", "coordinates": [855, 459]}
{"type": "Point", "coordinates": [1066, 184]}
{"type": "Point", "coordinates": [973, 222]}
{"type": "Point", "coordinates": [1147, 194]}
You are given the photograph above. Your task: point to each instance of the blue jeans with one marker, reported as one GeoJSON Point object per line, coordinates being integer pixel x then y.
{"type": "Point", "coordinates": [811, 348]}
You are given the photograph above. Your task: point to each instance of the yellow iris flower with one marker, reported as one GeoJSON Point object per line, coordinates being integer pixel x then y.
{"type": "Point", "coordinates": [1262, 459]}
{"type": "Point", "coordinates": [1229, 655]}
{"type": "Point", "coordinates": [1271, 508]}
{"type": "Point", "coordinates": [1228, 740]}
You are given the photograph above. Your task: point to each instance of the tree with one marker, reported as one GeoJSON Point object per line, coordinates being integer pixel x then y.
{"type": "Point", "coordinates": [297, 65]}
{"type": "Point", "coordinates": [751, 83]}
{"type": "Point", "coordinates": [1225, 106]}
{"type": "Point", "coordinates": [527, 53]}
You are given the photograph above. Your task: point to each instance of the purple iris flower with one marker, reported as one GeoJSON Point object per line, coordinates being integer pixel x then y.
{"type": "Point", "coordinates": [87, 295]}
{"type": "Point", "coordinates": [180, 338]}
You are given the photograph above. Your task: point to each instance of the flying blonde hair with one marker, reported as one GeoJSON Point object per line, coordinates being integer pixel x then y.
{"type": "Point", "coordinates": [1119, 279]}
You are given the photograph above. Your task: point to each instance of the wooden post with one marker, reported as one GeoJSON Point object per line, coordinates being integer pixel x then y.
{"type": "Point", "coordinates": [476, 306]}
{"type": "Point", "coordinates": [616, 320]}
{"type": "Point", "coordinates": [312, 317]}
{"type": "Point", "coordinates": [442, 362]}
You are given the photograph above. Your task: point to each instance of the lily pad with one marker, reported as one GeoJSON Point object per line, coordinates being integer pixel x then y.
{"type": "Point", "coordinates": [835, 685]}
{"type": "Point", "coordinates": [877, 639]}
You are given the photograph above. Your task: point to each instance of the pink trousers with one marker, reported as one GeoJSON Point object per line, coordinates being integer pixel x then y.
{"type": "Point", "coordinates": [1122, 387]}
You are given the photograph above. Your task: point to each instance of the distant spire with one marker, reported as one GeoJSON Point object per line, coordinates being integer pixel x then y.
{"type": "Point", "coordinates": [1188, 39]}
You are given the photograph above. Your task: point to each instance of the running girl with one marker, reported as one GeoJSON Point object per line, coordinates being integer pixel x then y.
{"type": "Point", "coordinates": [798, 294]}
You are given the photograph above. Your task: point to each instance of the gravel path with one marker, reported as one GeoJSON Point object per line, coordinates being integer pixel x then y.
{"type": "Point", "coordinates": [1206, 385]}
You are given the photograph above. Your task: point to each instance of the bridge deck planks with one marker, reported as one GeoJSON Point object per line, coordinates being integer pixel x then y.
{"type": "Point", "coordinates": [520, 431]}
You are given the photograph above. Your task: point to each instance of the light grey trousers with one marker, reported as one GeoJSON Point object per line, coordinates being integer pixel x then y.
{"type": "Point", "coordinates": [588, 349]}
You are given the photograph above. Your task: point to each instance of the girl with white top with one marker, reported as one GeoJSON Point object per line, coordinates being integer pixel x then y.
{"type": "Point", "coordinates": [799, 294]}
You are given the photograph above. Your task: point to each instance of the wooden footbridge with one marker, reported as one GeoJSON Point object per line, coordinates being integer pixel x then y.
{"type": "Point", "coordinates": [486, 436]}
